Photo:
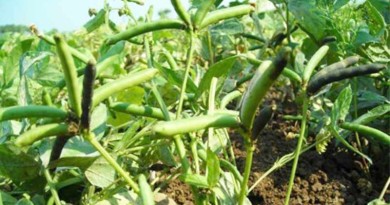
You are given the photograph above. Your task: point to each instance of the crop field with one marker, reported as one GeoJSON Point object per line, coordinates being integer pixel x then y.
{"type": "Point", "coordinates": [222, 103]}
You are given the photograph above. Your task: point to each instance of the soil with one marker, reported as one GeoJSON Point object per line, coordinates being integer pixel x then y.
{"type": "Point", "coordinates": [335, 177]}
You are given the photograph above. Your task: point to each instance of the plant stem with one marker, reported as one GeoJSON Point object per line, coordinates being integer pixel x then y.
{"type": "Point", "coordinates": [249, 147]}
{"type": "Point", "coordinates": [299, 146]}
{"type": "Point", "coordinates": [90, 137]}
{"type": "Point", "coordinates": [52, 186]}
{"type": "Point", "coordinates": [186, 75]}
{"type": "Point", "coordinates": [383, 192]}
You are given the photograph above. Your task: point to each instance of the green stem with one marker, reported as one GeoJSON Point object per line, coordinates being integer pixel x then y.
{"type": "Point", "coordinates": [182, 154]}
{"type": "Point", "coordinates": [287, 23]}
{"type": "Point", "coordinates": [298, 148]}
{"type": "Point", "coordinates": [140, 110]}
{"type": "Point", "coordinates": [181, 12]}
{"type": "Point", "coordinates": [90, 137]}
{"type": "Point", "coordinates": [145, 28]}
{"type": "Point", "coordinates": [186, 75]}
{"type": "Point", "coordinates": [250, 148]}
{"type": "Point", "coordinates": [155, 91]}
{"type": "Point", "coordinates": [52, 186]}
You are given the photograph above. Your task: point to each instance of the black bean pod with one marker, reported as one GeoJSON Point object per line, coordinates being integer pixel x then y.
{"type": "Point", "coordinates": [328, 39]}
{"type": "Point", "coordinates": [261, 120]}
{"type": "Point", "coordinates": [86, 103]}
{"type": "Point", "coordinates": [323, 78]}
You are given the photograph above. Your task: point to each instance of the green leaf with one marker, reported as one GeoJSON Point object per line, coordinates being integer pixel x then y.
{"type": "Point", "coordinates": [176, 78]}
{"type": "Point", "coordinates": [228, 27]}
{"type": "Point", "coordinates": [81, 162]}
{"type": "Point", "coordinates": [341, 106]}
{"type": "Point", "coordinates": [218, 70]}
{"type": "Point", "coordinates": [373, 114]}
{"type": "Point", "coordinates": [339, 3]}
{"type": "Point", "coordinates": [7, 199]}
{"type": "Point", "coordinates": [377, 202]}
{"type": "Point", "coordinates": [24, 201]}
{"type": "Point", "coordinates": [99, 120]}
{"type": "Point", "coordinates": [96, 22]}
{"type": "Point", "coordinates": [367, 99]}
{"type": "Point", "coordinates": [213, 169]}
{"type": "Point", "coordinates": [309, 16]}
{"type": "Point", "coordinates": [100, 173]}
{"type": "Point", "coordinates": [17, 165]}
{"type": "Point", "coordinates": [195, 180]}
{"type": "Point", "coordinates": [374, 19]}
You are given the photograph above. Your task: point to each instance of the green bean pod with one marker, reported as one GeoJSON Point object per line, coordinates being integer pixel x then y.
{"type": "Point", "coordinates": [323, 78]}
{"type": "Point", "coordinates": [118, 85]}
{"type": "Point", "coordinates": [264, 77]}
{"type": "Point", "coordinates": [181, 126]}
{"type": "Point", "coordinates": [70, 74]}
{"type": "Point", "coordinates": [31, 111]}
{"type": "Point", "coordinates": [368, 131]}
{"type": "Point", "coordinates": [328, 39]}
{"type": "Point", "coordinates": [222, 14]}
{"type": "Point", "coordinates": [38, 133]}
{"type": "Point", "coordinates": [292, 75]}
{"type": "Point", "coordinates": [313, 62]}
{"type": "Point", "coordinates": [140, 110]}
{"type": "Point", "coordinates": [145, 28]}
{"type": "Point", "coordinates": [201, 12]}
{"type": "Point", "coordinates": [181, 12]}
{"type": "Point", "coordinates": [145, 191]}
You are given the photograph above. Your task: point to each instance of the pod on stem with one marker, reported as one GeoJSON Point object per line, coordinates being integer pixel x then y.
{"type": "Point", "coordinates": [264, 77]}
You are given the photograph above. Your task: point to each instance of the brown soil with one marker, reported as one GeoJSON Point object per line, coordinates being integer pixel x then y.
{"type": "Point", "coordinates": [335, 177]}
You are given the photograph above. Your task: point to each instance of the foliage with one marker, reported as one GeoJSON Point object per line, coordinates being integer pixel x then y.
{"type": "Point", "coordinates": [161, 92]}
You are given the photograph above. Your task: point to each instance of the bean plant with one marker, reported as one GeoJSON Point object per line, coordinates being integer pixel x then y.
{"type": "Point", "coordinates": [112, 114]}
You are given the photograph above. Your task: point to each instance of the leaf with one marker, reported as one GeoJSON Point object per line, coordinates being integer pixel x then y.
{"type": "Point", "coordinates": [218, 70]}
{"type": "Point", "coordinates": [341, 106]}
{"type": "Point", "coordinates": [176, 78]}
{"type": "Point", "coordinates": [339, 3]}
{"type": "Point", "coordinates": [367, 99]}
{"type": "Point", "coordinates": [98, 120]}
{"type": "Point", "coordinates": [17, 165]}
{"type": "Point", "coordinates": [363, 36]}
{"type": "Point", "coordinates": [24, 201]}
{"type": "Point", "coordinates": [309, 16]}
{"type": "Point", "coordinates": [377, 202]}
{"type": "Point", "coordinates": [112, 50]}
{"type": "Point", "coordinates": [228, 27]}
{"type": "Point", "coordinates": [374, 19]}
{"type": "Point", "coordinates": [121, 197]}
{"type": "Point", "coordinates": [7, 199]}
{"type": "Point", "coordinates": [373, 114]}
{"type": "Point", "coordinates": [81, 162]}
{"type": "Point", "coordinates": [195, 180]}
{"type": "Point", "coordinates": [133, 95]}
{"type": "Point", "coordinates": [96, 22]}
{"type": "Point", "coordinates": [100, 173]}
